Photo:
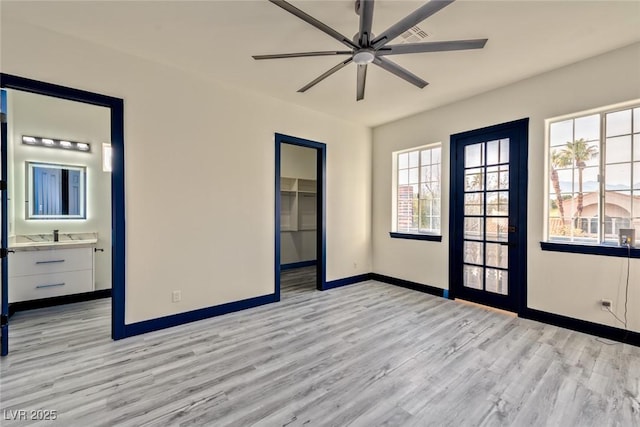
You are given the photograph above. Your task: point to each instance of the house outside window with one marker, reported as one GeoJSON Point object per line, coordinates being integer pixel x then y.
{"type": "Point", "coordinates": [417, 190]}
{"type": "Point", "coordinates": [594, 176]}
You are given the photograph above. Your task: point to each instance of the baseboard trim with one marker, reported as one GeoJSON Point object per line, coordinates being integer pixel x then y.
{"type": "Point", "coordinates": [410, 285]}
{"type": "Point", "coordinates": [299, 264]}
{"type": "Point", "coordinates": [195, 315]}
{"type": "Point", "coordinates": [597, 329]}
{"type": "Point", "coordinates": [347, 281]}
{"type": "Point", "coordinates": [14, 307]}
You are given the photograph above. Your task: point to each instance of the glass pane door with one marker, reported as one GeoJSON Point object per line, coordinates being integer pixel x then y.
{"type": "Point", "coordinates": [486, 216]}
{"type": "Point", "coordinates": [487, 249]}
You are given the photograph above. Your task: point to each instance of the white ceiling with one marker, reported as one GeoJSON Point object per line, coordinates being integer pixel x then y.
{"type": "Point", "coordinates": [217, 38]}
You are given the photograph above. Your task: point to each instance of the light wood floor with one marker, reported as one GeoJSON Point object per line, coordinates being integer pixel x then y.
{"type": "Point", "coordinates": [363, 355]}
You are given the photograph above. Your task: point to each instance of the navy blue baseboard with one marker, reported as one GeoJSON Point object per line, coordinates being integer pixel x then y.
{"type": "Point", "coordinates": [194, 315]}
{"type": "Point", "coordinates": [608, 332]}
{"type": "Point", "coordinates": [63, 299]}
{"type": "Point", "coordinates": [411, 285]}
{"type": "Point", "coordinates": [347, 281]}
{"type": "Point", "coordinates": [299, 264]}
{"type": "Point", "coordinates": [591, 328]}
{"type": "Point", "coordinates": [604, 331]}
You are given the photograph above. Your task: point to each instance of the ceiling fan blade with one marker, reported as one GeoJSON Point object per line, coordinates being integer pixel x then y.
{"type": "Point", "coordinates": [304, 54]}
{"type": "Point", "coordinates": [362, 77]}
{"type": "Point", "coordinates": [324, 75]}
{"type": "Point", "coordinates": [313, 21]}
{"type": "Point", "coordinates": [394, 68]}
{"type": "Point", "coordinates": [432, 47]}
{"type": "Point", "coordinates": [366, 21]}
{"type": "Point", "coordinates": [409, 21]}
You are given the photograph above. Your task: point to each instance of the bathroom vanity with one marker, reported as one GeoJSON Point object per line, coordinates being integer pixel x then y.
{"type": "Point", "coordinates": [41, 268]}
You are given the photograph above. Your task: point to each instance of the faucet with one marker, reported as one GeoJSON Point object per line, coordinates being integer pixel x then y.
{"type": "Point", "coordinates": [55, 235]}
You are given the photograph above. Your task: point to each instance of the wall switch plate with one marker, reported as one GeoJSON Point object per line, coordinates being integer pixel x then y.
{"type": "Point", "coordinates": [176, 296]}
{"type": "Point", "coordinates": [626, 236]}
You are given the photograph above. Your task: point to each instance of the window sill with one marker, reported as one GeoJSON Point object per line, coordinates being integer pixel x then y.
{"type": "Point", "coordinates": [606, 250]}
{"type": "Point", "coordinates": [429, 237]}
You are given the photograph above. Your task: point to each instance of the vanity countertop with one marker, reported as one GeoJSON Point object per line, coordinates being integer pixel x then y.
{"type": "Point", "coordinates": [39, 242]}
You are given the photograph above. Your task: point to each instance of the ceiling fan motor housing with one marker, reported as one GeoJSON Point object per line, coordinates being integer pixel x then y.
{"type": "Point", "coordinates": [364, 56]}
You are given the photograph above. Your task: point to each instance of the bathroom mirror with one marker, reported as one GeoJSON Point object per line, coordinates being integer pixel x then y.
{"type": "Point", "coordinates": [55, 191]}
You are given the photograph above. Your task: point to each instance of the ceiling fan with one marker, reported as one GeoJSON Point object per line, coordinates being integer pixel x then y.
{"type": "Point", "coordinates": [365, 48]}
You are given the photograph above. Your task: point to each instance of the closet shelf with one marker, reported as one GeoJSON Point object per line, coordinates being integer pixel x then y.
{"type": "Point", "coordinates": [297, 204]}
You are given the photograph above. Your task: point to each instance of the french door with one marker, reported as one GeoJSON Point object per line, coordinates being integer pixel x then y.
{"type": "Point", "coordinates": [488, 215]}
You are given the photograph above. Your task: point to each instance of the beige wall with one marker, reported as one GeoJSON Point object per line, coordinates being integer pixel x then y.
{"type": "Point", "coordinates": [297, 162]}
{"type": "Point", "coordinates": [45, 116]}
{"type": "Point", "coordinates": [199, 172]}
{"type": "Point", "coordinates": [562, 283]}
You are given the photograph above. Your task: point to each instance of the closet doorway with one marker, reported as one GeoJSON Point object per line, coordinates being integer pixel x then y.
{"type": "Point", "coordinates": [300, 226]}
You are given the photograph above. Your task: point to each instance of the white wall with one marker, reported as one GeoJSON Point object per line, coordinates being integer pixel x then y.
{"type": "Point", "coordinates": [199, 172]}
{"type": "Point", "coordinates": [562, 283]}
{"type": "Point", "coordinates": [298, 162]}
{"type": "Point", "coordinates": [44, 116]}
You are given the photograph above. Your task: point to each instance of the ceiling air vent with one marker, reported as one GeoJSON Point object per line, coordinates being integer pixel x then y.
{"type": "Point", "coordinates": [414, 34]}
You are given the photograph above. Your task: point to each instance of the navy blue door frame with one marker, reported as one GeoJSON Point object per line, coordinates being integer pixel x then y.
{"type": "Point", "coordinates": [321, 232]}
{"type": "Point", "coordinates": [116, 106]}
{"type": "Point", "coordinates": [517, 132]}
{"type": "Point", "coordinates": [4, 280]}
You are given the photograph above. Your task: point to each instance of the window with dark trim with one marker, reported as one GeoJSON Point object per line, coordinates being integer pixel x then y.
{"type": "Point", "coordinates": [417, 192]}
{"type": "Point", "coordinates": [594, 177]}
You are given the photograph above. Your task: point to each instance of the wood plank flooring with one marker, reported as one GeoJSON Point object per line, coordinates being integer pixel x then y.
{"type": "Point", "coordinates": [362, 355]}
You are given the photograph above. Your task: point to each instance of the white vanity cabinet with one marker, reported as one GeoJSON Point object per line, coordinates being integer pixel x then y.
{"type": "Point", "coordinates": [46, 273]}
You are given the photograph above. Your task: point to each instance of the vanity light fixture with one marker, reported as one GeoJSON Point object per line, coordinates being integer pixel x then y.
{"type": "Point", "coordinates": [56, 143]}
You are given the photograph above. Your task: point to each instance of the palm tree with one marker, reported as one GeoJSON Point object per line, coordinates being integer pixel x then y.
{"type": "Point", "coordinates": [579, 152]}
{"type": "Point", "coordinates": [558, 160]}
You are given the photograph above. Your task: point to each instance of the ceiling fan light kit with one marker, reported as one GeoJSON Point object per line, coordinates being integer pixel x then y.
{"type": "Point", "coordinates": [365, 48]}
{"type": "Point", "coordinates": [364, 56]}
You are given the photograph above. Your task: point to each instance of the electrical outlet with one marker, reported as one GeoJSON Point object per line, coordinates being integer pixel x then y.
{"type": "Point", "coordinates": [607, 304]}
{"type": "Point", "coordinates": [176, 296]}
{"type": "Point", "coordinates": [626, 236]}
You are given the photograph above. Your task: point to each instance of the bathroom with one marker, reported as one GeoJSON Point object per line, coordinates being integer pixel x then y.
{"type": "Point", "coordinates": [59, 201]}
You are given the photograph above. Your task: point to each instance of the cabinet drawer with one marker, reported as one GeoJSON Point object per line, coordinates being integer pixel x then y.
{"type": "Point", "coordinates": [50, 261]}
{"type": "Point", "coordinates": [27, 288]}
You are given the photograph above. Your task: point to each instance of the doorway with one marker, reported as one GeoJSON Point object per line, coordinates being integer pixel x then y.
{"type": "Point", "coordinates": [300, 212]}
{"type": "Point", "coordinates": [487, 250]}
{"type": "Point", "coordinates": [65, 207]}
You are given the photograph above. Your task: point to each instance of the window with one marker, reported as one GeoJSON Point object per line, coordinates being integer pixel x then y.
{"type": "Point", "coordinates": [416, 198]}
{"type": "Point", "coordinates": [594, 176]}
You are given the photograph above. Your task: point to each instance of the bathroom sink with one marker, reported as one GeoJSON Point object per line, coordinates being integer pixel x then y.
{"type": "Point", "coordinates": [35, 241]}
{"type": "Point", "coordinates": [58, 243]}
